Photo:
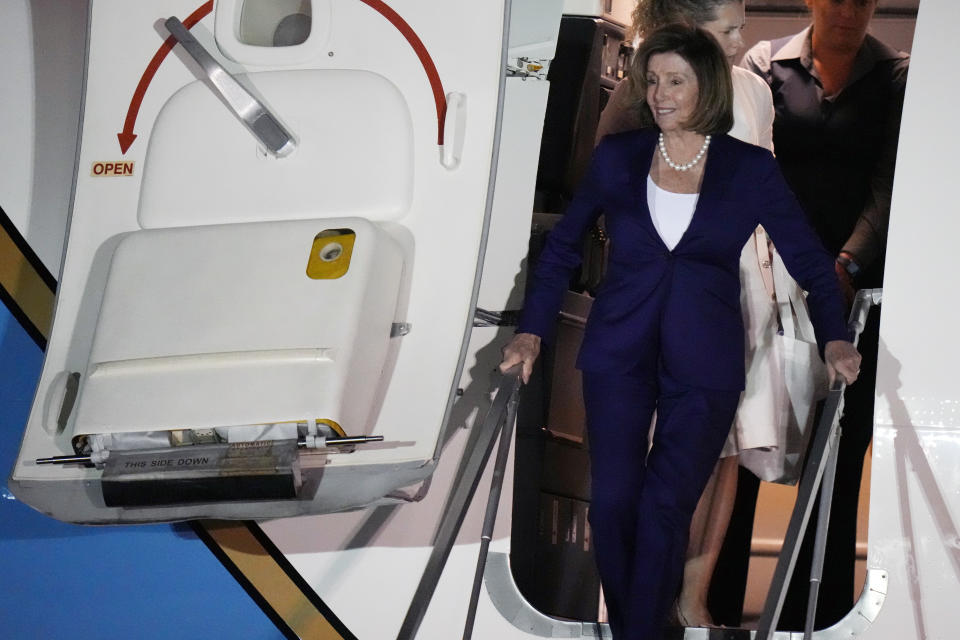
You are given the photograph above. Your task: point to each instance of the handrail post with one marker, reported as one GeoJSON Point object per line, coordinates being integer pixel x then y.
{"type": "Point", "coordinates": [493, 504]}
{"type": "Point", "coordinates": [818, 476]}
{"type": "Point", "coordinates": [452, 518]}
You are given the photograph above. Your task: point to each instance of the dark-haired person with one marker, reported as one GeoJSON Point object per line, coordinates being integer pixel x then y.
{"type": "Point", "coordinates": [838, 93]}
{"type": "Point", "coordinates": [665, 333]}
{"type": "Point", "coordinates": [752, 429]}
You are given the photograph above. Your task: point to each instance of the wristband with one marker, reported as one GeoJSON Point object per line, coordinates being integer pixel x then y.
{"type": "Point", "coordinates": [849, 265]}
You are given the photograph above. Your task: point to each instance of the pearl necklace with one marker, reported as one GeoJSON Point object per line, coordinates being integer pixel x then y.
{"type": "Point", "coordinates": [689, 165]}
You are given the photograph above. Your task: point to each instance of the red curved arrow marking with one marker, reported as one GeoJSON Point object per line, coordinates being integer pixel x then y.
{"type": "Point", "coordinates": [127, 136]}
{"type": "Point", "coordinates": [438, 95]}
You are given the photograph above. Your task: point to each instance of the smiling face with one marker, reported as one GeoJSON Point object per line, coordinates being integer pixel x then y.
{"type": "Point", "coordinates": [727, 28]}
{"type": "Point", "coordinates": [672, 90]}
{"type": "Point", "coordinates": [841, 24]}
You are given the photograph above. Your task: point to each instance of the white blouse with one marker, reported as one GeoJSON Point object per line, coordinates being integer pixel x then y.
{"type": "Point", "coordinates": [671, 212]}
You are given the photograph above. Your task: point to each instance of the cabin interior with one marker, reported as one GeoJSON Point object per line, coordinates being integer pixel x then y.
{"type": "Point", "coordinates": [592, 56]}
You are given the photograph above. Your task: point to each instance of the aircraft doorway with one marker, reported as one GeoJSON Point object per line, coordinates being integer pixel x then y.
{"type": "Point", "coordinates": [551, 551]}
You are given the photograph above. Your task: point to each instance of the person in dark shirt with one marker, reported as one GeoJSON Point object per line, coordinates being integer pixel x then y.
{"type": "Point", "coordinates": [838, 94]}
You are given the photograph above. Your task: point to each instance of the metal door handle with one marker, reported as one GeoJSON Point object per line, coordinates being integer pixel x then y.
{"type": "Point", "coordinates": [264, 126]}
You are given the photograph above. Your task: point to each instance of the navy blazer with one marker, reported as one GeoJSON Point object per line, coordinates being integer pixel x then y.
{"type": "Point", "coordinates": [679, 309]}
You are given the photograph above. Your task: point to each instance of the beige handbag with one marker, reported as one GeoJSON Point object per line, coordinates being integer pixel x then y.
{"type": "Point", "coordinates": [788, 365]}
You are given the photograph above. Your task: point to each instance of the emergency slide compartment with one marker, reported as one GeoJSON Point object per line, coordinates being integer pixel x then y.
{"type": "Point", "coordinates": [264, 313]}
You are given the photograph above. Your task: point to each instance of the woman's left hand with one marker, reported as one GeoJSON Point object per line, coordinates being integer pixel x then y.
{"type": "Point", "coordinates": [842, 358]}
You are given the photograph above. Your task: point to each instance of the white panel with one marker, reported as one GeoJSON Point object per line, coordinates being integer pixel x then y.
{"type": "Point", "coordinates": [41, 81]}
{"type": "Point", "coordinates": [533, 28]}
{"type": "Point", "coordinates": [220, 325]}
{"type": "Point", "coordinates": [17, 122]}
{"type": "Point", "coordinates": [353, 157]}
{"type": "Point", "coordinates": [504, 268]}
{"type": "Point", "coordinates": [915, 499]}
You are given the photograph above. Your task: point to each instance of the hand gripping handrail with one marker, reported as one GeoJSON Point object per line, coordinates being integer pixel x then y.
{"type": "Point", "coordinates": [818, 476]}
{"type": "Point", "coordinates": [497, 422]}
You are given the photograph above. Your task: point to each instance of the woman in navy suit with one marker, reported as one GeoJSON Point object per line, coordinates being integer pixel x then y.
{"type": "Point", "coordinates": [665, 333]}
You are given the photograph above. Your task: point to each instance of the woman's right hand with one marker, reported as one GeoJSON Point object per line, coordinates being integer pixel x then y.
{"type": "Point", "coordinates": [523, 349]}
{"type": "Point", "coordinates": [842, 359]}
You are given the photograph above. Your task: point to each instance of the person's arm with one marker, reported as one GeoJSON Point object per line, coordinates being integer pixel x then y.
{"type": "Point", "coordinates": [808, 262]}
{"type": "Point", "coordinates": [811, 266]}
{"type": "Point", "coordinates": [757, 62]}
{"type": "Point", "coordinates": [550, 277]}
{"type": "Point", "coordinates": [869, 236]}
{"type": "Point", "coordinates": [765, 114]}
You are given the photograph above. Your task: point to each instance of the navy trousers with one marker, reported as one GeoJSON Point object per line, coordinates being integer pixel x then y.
{"type": "Point", "coordinates": [642, 502]}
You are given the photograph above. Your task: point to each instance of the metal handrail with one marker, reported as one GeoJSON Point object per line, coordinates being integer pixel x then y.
{"type": "Point", "coordinates": [502, 411]}
{"type": "Point", "coordinates": [493, 503]}
{"type": "Point", "coordinates": [818, 478]}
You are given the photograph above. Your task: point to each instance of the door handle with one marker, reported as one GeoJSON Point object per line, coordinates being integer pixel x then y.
{"type": "Point", "coordinates": [258, 119]}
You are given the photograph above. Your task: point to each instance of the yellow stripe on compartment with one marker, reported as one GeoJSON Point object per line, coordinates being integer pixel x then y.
{"type": "Point", "coordinates": [332, 424]}
{"type": "Point", "coordinates": [335, 427]}
{"type": "Point", "coordinates": [330, 254]}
